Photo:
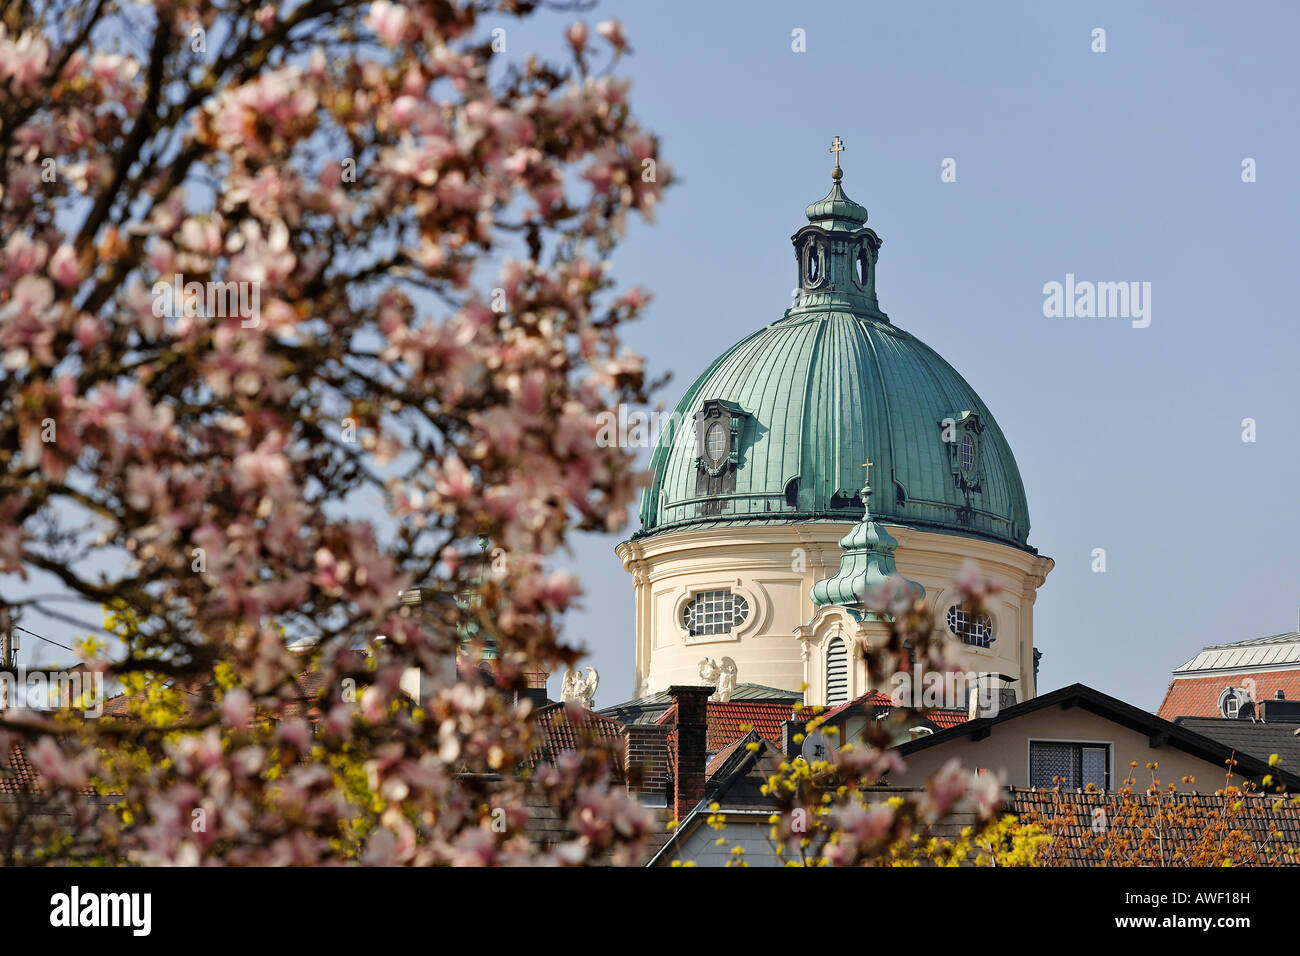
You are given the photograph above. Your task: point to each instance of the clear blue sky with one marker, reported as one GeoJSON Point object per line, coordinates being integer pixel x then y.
{"type": "Point", "coordinates": [1117, 166]}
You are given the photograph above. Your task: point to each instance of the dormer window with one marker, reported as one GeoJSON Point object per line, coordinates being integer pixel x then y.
{"type": "Point", "coordinates": [961, 432]}
{"type": "Point", "coordinates": [719, 425]}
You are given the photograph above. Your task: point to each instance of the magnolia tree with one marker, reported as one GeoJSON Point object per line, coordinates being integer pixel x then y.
{"type": "Point", "coordinates": [300, 305]}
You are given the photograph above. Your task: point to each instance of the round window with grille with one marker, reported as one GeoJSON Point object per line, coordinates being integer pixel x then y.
{"type": "Point", "coordinates": [714, 612]}
{"type": "Point", "coordinates": [977, 630]}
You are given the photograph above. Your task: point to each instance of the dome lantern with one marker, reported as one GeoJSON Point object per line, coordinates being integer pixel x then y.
{"type": "Point", "coordinates": [837, 252]}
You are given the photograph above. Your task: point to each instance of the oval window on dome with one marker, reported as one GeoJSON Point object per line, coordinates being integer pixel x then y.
{"type": "Point", "coordinates": [968, 453]}
{"type": "Point", "coordinates": [715, 442]}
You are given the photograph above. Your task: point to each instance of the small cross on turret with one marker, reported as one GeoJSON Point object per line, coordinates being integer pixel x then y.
{"type": "Point", "coordinates": [865, 493]}
{"type": "Point", "coordinates": [837, 147]}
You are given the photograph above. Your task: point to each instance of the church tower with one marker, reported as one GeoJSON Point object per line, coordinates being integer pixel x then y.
{"type": "Point", "coordinates": [755, 527]}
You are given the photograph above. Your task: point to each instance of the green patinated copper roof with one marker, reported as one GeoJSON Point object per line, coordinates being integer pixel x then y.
{"type": "Point", "coordinates": [830, 384]}
{"type": "Point", "coordinates": [866, 565]}
{"type": "Point", "coordinates": [837, 211]}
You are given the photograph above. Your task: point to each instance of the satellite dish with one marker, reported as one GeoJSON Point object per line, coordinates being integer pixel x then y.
{"type": "Point", "coordinates": [816, 746]}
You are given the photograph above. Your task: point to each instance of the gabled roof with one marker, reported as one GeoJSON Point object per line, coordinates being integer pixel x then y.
{"type": "Point", "coordinates": [736, 779]}
{"type": "Point", "coordinates": [1126, 715]}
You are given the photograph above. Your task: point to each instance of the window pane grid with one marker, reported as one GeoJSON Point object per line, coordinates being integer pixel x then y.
{"type": "Point", "coordinates": [714, 612]}
{"type": "Point", "coordinates": [1076, 765]}
{"type": "Point", "coordinates": [967, 453]}
{"type": "Point", "coordinates": [715, 442]}
{"type": "Point", "coordinates": [978, 631]}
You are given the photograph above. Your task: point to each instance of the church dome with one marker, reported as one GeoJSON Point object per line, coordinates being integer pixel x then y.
{"type": "Point", "coordinates": [779, 426]}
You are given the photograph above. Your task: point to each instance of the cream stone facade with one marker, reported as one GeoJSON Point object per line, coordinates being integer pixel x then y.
{"type": "Point", "coordinates": [782, 643]}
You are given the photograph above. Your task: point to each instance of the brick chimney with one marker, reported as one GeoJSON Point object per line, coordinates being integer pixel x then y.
{"type": "Point", "coordinates": [789, 729]}
{"type": "Point", "coordinates": [690, 747]}
{"type": "Point", "coordinates": [646, 763]}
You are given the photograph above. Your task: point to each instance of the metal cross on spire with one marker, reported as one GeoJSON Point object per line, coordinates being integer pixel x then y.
{"type": "Point", "coordinates": [867, 465]}
{"type": "Point", "coordinates": [837, 147]}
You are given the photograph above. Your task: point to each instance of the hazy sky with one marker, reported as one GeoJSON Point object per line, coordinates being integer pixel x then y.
{"type": "Point", "coordinates": [1116, 166]}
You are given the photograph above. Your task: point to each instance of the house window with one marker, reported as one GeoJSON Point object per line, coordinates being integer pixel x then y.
{"type": "Point", "coordinates": [977, 630]}
{"type": "Point", "coordinates": [714, 612]}
{"type": "Point", "coordinates": [1076, 765]}
{"type": "Point", "coordinates": [837, 672]}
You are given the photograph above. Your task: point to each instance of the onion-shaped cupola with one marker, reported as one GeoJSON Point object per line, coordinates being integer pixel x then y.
{"type": "Point", "coordinates": [866, 565]}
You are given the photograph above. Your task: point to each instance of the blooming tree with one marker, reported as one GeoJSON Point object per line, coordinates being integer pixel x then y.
{"type": "Point", "coordinates": [299, 304]}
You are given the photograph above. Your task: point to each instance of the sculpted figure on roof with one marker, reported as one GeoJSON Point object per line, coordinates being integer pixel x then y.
{"type": "Point", "coordinates": [580, 690]}
{"type": "Point", "coordinates": [721, 676]}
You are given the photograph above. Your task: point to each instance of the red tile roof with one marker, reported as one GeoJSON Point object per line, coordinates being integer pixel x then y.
{"type": "Point", "coordinates": [872, 698]}
{"type": "Point", "coordinates": [730, 721]}
{"type": "Point", "coordinates": [947, 718]}
{"type": "Point", "coordinates": [1199, 696]}
{"type": "Point", "coordinates": [943, 719]}
{"type": "Point", "coordinates": [1193, 824]}
{"type": "Point", "coordinates": [560, 727]}
{"type": "Point", "coordinates": [17, 775]}
{"type": "Point", "coordinates": [721, 756]}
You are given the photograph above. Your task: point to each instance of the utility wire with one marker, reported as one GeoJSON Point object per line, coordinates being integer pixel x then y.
{"type": "Point", "coordinates": [45, 639]}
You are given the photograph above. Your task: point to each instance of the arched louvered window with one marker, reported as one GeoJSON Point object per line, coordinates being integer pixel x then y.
{"type": "Point", "coordinates": [837, 672]}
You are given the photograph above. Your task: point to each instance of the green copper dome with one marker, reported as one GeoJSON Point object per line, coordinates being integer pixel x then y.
{"type": "Point", "coordinates": [777, 428]}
